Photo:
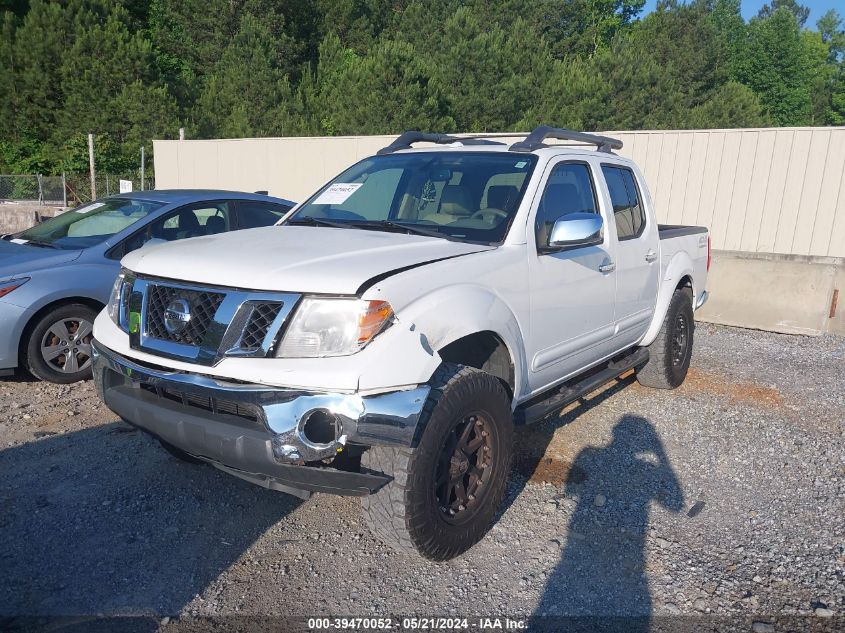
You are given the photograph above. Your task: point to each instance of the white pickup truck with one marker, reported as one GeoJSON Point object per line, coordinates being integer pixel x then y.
{"type": "Point", "coordinates": [384, 339]}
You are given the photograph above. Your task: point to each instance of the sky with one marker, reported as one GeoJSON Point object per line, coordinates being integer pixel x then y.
{"type": "Point", "coordinates": [750, 8]}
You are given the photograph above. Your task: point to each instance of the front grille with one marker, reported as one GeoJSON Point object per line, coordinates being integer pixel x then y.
{"type": "Point", "coordinates": [203, 305]}
{"type": "Point", "coordinates": [248, 412]}
{"type": "Point", "coordinates": [260, 319]}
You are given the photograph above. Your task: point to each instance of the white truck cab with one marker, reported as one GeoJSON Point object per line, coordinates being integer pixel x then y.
{"type": "Point", "coordinates": [385, 337]}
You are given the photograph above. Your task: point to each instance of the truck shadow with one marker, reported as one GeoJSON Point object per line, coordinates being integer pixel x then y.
{"type": "Point", "coordinates": [600, 583]}
{"type": "Point", "coordinates": [102, 521]}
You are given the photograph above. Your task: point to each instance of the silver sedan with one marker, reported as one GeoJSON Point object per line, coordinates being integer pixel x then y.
{"type": "Point", "coordinates": [56, 276]}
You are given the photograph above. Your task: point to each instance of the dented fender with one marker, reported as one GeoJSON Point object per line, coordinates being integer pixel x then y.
{"type": "Point", "coordinates": [447, 314]}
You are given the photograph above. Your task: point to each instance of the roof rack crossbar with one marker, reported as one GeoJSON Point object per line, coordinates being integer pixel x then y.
{"type": "Point", "coordinates": [407, 139]}
{"type": "Point", "coordinates": [535, 140]}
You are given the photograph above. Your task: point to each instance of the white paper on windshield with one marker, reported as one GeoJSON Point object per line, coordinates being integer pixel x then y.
{"type": "Point", "coordinates": [90, 207]}
{"type": "Point", "coordinates": [18, 240]}
{"type": "Point", "coordinates": [338, 193]}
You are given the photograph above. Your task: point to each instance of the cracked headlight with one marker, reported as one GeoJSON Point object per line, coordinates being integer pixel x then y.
{"type": "Point", "coordinates": [333, 327]}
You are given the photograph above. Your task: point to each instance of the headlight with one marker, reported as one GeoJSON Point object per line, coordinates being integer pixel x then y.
{"type": "Point", "coordinates": [333, 327]}
{"type": "Point", "coordinates": [117, 299]}
{"type": "Point", "coordinates": [7, 286]}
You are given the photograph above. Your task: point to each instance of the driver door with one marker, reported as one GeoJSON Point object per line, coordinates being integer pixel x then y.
{"type": "Point", "coordinates": [572, 288]}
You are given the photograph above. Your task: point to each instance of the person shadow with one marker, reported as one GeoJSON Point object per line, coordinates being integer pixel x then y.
{"type": "Point", "coordinates": [104, 530]}
{"type": "Point", "coordinates": [601, 583]}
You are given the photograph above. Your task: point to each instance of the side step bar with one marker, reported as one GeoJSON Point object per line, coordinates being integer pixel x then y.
{"type": "Point", "coordinates": [545, 405]}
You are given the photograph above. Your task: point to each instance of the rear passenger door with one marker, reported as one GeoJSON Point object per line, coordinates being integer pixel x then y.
{"type": "Point", "coordinates": [637, 265]}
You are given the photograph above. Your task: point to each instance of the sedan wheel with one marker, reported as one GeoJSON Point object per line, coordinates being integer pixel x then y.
{"type": "Point", "coordinates": [59, 344]}
{"type": "Point", "coordinates": [66, 346]}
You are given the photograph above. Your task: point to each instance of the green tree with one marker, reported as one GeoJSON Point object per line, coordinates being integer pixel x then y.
{"type": "Point", "coordinates": [642, 91]}
{"type": "Point", "coordinates": [491, 75]}
{"type": "Point", "coordinates": [247, 88]}
{"type": "Point", "coordinates": [585, 26]}
{"type": "Point", "coordinates": [575, 97]}
{"type": "Point", "coordinates": [800, 12]}
{"type": "Point", "coordinates": [777, 68]}
{"type": "Point", "coordinates": [731, 105]}
{"type": "Point", "coordinates": [832, 34]}
{"type": "Point", "coordinates": [388, 91]}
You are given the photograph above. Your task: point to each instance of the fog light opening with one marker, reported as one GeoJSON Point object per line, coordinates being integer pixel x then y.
{"type": "Point", "coordinates": [321, 427]}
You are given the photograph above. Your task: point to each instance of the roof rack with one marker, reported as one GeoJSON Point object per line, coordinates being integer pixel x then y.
{"type": "Point", "coordinates": [407, 139]}
{"type": "Point", "coordinates": [536, 139]}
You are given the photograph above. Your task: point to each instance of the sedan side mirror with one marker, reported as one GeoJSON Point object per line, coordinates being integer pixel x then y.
{"type": "Point", "coordinates": [577, 229]}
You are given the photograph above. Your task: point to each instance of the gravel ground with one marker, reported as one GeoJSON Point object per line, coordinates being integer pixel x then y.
{"type": "Point", "coordinates": [723, 497]}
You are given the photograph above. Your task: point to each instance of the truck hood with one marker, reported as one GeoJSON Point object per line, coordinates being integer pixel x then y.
{"type": "Point", "coordinates": [20, 259]}
{"type": "Point", "coordinates": [293, 258]}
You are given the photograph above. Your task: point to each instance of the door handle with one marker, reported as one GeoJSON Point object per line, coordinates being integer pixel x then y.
{"type": "Point", "coordinates": [650, 256]}
{"type": "Point", "coordinates": [608, 267]}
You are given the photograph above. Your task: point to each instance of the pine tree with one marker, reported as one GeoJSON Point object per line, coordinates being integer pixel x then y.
{"type": "Point", "coordinates": [245, 90]}
{"type": "Point", "coordinates": [388, 91]}
{"type": "Point", "coordinates": [776, 68]}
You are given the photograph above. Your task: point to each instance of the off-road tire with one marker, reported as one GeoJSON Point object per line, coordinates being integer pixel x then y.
{"type": "Point", "coordinates": [668, 360]}
{"type": "Point", "coordinates": [406, 513]}
{"type": "Point", "coordinates": [32, 357]}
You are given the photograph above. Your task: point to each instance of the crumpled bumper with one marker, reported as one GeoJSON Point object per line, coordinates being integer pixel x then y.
{"type": "Point", "coordinates": [272, 436]}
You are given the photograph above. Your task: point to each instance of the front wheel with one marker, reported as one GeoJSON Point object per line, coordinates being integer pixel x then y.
{"type": "Point", "coordinates": [445, 492]}
{"type": "Point", "coordinates": [59, 345]}
{"type": "Point", "coordinates": [670, 353]}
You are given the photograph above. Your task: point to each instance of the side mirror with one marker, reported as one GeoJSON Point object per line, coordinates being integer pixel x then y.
{"type": "Point", "coordinates": [577, 229]}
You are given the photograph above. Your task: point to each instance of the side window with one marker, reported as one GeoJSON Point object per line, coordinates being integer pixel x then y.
{"type": "Point", "coordinates": [255, 213]}
{"type": "Point", "coordinates": [568, 190]}
{"type": "Point", "coordinates": [627, 209]}
{"type": "Point", "coordinates": [206, 218]}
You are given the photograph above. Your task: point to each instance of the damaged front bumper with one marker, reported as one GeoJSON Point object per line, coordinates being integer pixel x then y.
{"type": "Point", "coordinates": [276, 437]}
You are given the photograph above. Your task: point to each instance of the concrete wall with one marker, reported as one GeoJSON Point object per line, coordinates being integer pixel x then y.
{"type": "Point", "coordinates": [779, 293]}
{"type": "Point", "coordinates": [17, 217]}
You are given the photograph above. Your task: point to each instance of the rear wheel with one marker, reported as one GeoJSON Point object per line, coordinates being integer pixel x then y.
{"type": "Point", "coordinates": [670, 353]}
{"type": "Point", "coordinates": [445, 492]}
{"type": "Point", "coordinates": [59, 345]}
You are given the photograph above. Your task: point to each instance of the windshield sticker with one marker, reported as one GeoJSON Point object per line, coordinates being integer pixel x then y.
{"type": "Point", "coordinates": [338, 193]}
{"type": "Point", "coordinates": [18, 240]}
{"type": "Point", "coordinates": [90, 207]}
{"type": "Point", "coordinates": [521, 164]}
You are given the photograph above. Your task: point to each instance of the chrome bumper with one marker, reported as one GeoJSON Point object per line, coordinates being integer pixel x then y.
{"type": "Point", "coordinates": [272, 419]}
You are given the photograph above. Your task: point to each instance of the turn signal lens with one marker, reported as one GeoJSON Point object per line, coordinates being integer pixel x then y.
{"type": "Point", "coordinates": [372, 320]}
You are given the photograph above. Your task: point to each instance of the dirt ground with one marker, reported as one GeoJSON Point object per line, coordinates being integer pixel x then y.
{"type": "Point", "coordinates": [722, 499]}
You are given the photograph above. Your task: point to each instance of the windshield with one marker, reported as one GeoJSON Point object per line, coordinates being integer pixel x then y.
{"type": "Point", "coordinates": [89, 224]}
{"type": "Point", "coordinates": [468, 196]}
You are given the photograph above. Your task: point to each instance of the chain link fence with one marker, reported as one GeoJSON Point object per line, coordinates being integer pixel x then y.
{"type": "Point", "coordinates": [32, 189]}
{"type": "Point", "coordinates": [79, 186]}
{"type": "Point", "coordinates": [65, 190]}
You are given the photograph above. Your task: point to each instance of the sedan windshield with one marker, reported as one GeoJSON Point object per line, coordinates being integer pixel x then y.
{"type": "Point", "coordinates": [467, 196]}
{"type": "Point", "coordinates": [89, 224]}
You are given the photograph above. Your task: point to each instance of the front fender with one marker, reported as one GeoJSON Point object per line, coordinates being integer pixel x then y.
{"type": "Point", "coordinates": [450, 313]}
{"type": "Point", "coordinates": [679, 266]}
